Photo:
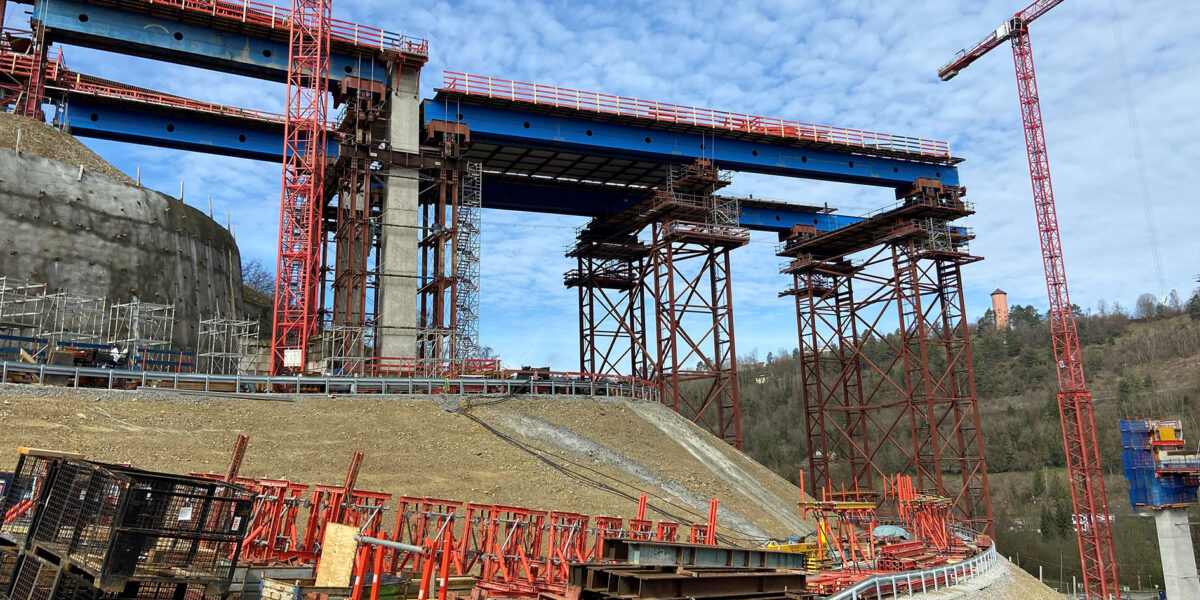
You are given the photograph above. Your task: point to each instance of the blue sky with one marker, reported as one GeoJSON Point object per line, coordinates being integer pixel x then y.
{"type": "Point", "coordinates": [864, 64]}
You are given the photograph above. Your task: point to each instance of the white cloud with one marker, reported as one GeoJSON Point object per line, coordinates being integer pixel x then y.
{"type": "Point", "coordinates": [861, 64]}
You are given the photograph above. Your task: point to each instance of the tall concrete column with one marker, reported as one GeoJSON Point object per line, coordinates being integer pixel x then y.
{"type": "Point", "coordinates": [396, 310]}
{"type": "Point", "coordinates": [1178, 557]}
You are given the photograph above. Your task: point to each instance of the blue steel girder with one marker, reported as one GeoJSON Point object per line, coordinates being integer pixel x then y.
{"type": "Point", "coordinates": [179, 130]}
{"type": "Point", "coordinates": [519, 127]}
{"type": "Point", "coordinates": [512, 193]}
{"type": "Point", "coordinates": [257, 140]}
{"type": "Point", "coordinates": [137, 34]}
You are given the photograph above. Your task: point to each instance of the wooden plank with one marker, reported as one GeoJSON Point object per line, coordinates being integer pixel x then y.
{"type": "Point", "coordinates": [336, 564]}
{"type": "Point", "coordinates": [48, 453]}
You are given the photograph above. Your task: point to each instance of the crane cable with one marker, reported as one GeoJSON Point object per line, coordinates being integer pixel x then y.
{"type": "Point", "coordinates": [1139, 159]}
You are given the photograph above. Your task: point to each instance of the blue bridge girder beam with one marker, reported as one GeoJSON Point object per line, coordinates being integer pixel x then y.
{"type": "Point", "coordinates": [262, 141]}
{"type": "Point", "coordinates": [134, 33]}
{"type": "Point", "coordinates": [178, 130]}
{"type": "Point", "coordinates": [514, 128]}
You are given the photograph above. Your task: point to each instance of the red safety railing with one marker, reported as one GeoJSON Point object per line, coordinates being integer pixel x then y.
{"type": "Point", "coordinates": [491, 87]}
{"type": "Point", "coordinates": [269, 15]}
{"type": "Point", "coordinates": [86, 85]}
{"type": "Point", "coordinates": [57, 75]}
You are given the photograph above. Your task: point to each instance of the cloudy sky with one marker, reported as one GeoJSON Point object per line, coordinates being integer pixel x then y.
{"type": "Point", "coordinates": [859, 64]}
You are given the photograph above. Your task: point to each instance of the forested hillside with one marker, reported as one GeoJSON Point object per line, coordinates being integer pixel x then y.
{"type": "Point", "coordinates": [1139, 363]}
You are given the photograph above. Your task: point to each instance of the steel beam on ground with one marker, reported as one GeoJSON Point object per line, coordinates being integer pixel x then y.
{"type": "Point", "coordinates": [518, 126]}
{"type": "Point", "coordinates": [657, 553]}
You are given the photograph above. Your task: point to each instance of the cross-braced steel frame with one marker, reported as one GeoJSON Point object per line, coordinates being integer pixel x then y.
{"type": "Point", "coordinates": [612, 312]}
{"type": "Point", "coordinates": [693, 302]}
{"type": "Point", "coordinates": [878, 402]}
{"type": "Point", "coordinates": [298, 277]}
{"type": "Point", "coordinates": [352, 226]}
{"type": "Point", "coordinates": [438, 288]}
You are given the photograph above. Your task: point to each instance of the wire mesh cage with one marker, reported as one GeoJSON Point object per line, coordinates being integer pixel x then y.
{"type": "Point", "coordinates": [8, 566]}
{"type": "Point", "coordinates": [37, 578]}
{"type": "Point", "coordinates": [120, 524]}
{"type": "Point", "coordinates": [20, 496]}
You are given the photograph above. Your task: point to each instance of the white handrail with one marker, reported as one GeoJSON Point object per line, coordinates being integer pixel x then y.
{"type": "Point", "coordinates": [908, 581]}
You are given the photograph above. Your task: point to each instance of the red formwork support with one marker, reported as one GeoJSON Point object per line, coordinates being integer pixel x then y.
{"type": "Point", "coordinates": [512, 551]}
{"type": "Point", "coordinates": [272, 530]}
{"type": "Point", "coordinates": [869, 393]}
{"type": "Point", "coordinates": [666, 531]}
{"type": "Point", "coordinates": [298, 277]}
{"type": "Point", "coordinates": [419, 520]}
{"type": "Point", "coordinates": [568, 543]}
{"type": "Point", "coordinates": [605, 528]}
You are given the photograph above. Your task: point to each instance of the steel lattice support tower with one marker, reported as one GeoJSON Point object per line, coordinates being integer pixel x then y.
{"type": "Point", "coordinates": [693, 302]}
{"type": "Point", "coordinates": [1088, 497]}
{"type": "Point", "coordinates": [438, 290]}
{"type": "Point", "coordinates": [298, 277]}
{"type": "Point", "coordinates": [903, 400]}
{"type": "Point", "coordinates": [351, 225]}
{"type": "Point", "coordinates": [30, 104]}
{"type": "Point", "coordinates": [610, 280]}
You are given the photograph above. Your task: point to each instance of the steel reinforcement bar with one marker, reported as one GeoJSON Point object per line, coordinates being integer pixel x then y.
{"type": "Point", "coordinates": [252, 384]}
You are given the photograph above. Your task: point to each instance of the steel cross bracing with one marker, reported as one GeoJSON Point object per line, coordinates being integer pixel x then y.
{"type": "Point", "coordinates": [609, 277]}
{"type": "Point", "coordinates": [439, 287]}
{"type": "Point", "coordinates": [1088, 497]}
{"type": "Point", "coordinates": [353, 228]}
{"type": "Point", "coordinates": [685, 270]}
{"type": "Point", "coordinates": [298, 277]}
{"type": "Point", "coordinates": [872, 398]}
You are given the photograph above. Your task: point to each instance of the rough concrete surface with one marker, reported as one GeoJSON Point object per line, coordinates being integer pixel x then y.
{"type": "Point", "coordinates": [577, 454]}
{"type": "Point", "coordinates": [87, 234]}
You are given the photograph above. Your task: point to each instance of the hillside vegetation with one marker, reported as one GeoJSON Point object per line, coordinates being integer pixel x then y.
{"type": "Point", "coordinates": [1145, 364]}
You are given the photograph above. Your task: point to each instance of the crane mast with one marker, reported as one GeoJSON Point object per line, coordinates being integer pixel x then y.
{"type": "Point", "coordinates": [1088, 497]}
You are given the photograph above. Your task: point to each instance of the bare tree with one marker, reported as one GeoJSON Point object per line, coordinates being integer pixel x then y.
{"type": "Point", "coordinates": [256, 277]}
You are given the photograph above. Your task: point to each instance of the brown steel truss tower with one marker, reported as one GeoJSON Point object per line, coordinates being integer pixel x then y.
{"type": "Point", "coordinates": [879, 402]}
{"type": "Point", "coordinates": [685, 271]}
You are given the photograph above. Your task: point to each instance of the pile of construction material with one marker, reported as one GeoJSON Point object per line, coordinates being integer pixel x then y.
{"type": "Point", "coordinates": [74, 529]}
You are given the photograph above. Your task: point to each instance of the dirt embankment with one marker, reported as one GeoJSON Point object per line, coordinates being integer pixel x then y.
{"type": "Point", "coordinates": [42, 140]}
{"type": "Point", "coordinates": [582, 455]}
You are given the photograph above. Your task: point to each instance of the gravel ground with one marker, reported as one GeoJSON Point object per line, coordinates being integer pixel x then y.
{"type": "Point", "coordinates": [42, 140]}
{"type": "Point", "coordinates": [1005, 581]}
{"type": "Point", "coordinates": [477, 449]}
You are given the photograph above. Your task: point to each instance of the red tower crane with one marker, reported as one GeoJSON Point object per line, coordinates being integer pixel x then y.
{"type": "Point", "coordinates": [1074, 400]}
{"type": "Point", "coordinates": [298, 278]}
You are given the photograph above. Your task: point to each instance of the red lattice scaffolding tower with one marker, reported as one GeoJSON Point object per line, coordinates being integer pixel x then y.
{"type": "Point", "coordinates": [1088, 497]}
{"type": "Point", "coordinates": [873, 397]}
{"type": "Point", "coordinates": [298, 278]}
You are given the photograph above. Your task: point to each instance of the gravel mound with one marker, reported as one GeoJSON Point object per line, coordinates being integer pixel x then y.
{"type": "Point", "coordinates": [42, 140]}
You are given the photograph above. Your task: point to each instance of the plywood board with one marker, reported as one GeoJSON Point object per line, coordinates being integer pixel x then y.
{"type": "Point", "coordinates": [337, 556]}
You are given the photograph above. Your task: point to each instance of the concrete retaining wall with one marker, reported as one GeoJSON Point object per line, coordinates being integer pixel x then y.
{"type": "Point", "coordinates": [94, 236]}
